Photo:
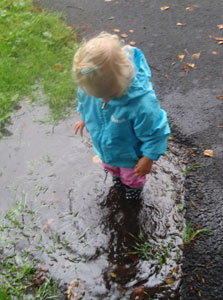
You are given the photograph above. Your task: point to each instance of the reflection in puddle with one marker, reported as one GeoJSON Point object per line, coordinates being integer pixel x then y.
{"type": "Point", "coordinates": [82, 228]}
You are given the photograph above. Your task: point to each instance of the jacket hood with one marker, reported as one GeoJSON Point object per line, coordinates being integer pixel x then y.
{"type": "Point", "coordinates": [140, 84]}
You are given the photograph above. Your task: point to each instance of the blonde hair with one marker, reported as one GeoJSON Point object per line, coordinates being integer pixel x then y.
{"type": "Point", "coordinates": [102, 65]}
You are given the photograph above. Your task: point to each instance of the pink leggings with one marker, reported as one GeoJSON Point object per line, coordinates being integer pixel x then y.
{"type": "Point", "coordinates": [126, 175]}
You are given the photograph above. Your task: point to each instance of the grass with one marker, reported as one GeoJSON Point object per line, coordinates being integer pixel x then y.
{"type": "Point", "coordinates": [190, 234]}
{"type": "Point", "coordinates": [36, 50]}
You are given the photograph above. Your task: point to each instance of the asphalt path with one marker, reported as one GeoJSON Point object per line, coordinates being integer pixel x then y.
{"type": "Point", "coordinates": [189, 89]}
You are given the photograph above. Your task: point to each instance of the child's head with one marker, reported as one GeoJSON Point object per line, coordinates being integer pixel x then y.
{"type": "Point", "coordinates": [101, 66]}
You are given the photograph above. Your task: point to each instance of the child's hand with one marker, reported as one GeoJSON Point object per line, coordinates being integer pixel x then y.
{"type": "Point", "coordinates": [79, 126]}
{"type": "Point", "coordinates": [143, 166]}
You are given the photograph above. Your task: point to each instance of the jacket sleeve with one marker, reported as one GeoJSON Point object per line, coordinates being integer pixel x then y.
{"type": "Point", "coordinates": [152, 129]}
{"type": "Point", "coordinates": [80, 106]}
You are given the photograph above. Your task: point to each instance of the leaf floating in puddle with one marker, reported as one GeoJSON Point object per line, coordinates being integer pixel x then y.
{"type": "Point", "coordinates": [96, 159]}
{"type": "Point", "coordinates": [170, 280]}
{"type": "Point", "coordinates": [75, 290]}
{"type": "Point", "coordinates": [209, 153]}
{"type": "Point", "coordinates": [113, 275]}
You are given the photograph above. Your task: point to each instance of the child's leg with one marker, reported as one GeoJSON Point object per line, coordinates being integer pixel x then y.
{"type": "Point", "coordinates": [115, 172]}
{"type": "Point", "coordinates": [133, 184]}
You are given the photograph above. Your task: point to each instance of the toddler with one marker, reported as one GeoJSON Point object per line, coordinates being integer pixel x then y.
{"type": "Point", "coordinates": [119, 108]}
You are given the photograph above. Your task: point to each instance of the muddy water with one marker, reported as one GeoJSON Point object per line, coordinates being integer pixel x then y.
{"type": "Point", "coordinates": [78, 226]}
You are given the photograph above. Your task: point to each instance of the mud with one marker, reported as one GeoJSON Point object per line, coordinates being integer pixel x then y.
{"type": "Point", "coordinates": [80, 227]}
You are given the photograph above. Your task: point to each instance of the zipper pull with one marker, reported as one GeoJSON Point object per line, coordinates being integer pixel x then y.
{"type": "Point", "coordinates": [103, 105]}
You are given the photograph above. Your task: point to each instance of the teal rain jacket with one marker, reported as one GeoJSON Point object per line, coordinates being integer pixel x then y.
{"type": "Point", "coordinates": [129, 127]}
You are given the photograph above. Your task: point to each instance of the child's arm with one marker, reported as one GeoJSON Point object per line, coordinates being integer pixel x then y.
{"type": "Point", "coordinates": [79, 126]}
{"type": "Point", "coordinates": [143, 166]}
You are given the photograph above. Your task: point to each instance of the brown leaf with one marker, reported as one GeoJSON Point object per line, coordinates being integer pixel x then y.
{"type": "Point", "coordinates": [109, 27]}
{"type": "Point", "coordinates": [75, 290]}
{"type": "Point", "coordinates": [214, 52]}
{"type": "Point", "coordinates": [170, 280]}
{"type": "Point", "coordinates": [47, 224]}
{"type": "Point", "coordinates": [139, 292]}
{"type": "Point", "coordinates": [208, 152]}
{"type": "Point", "coordinates": [196, 55]}
{"type": "Point", "coordinates": [220, 97]}
{"type": "Point", "coordinates": [70, 27]}
{"type": "Point", "coordinates": [175, 218]}
{"type": "Point", "coordinates": [218, 38]}
{"type": "Point", "coordinates": [116, 30]}
{"type": "Point", "coordinates": [132, 43]}
{"type": "Point", "coordinates": [164, 7]}
{"type": "Point", "coordinates": [189, 8]}
{"type": "Point", "coordinates": [191, 65]}
{"type": "Point", "coordinates": [180, 24]}
{"type": "Point", "coordinates": [124, 35]}
{"type": "Point", "coordinates": [181, 57]}
{"type": "Point", "coordinates": [220, 26]}
{"type": "Point", "coordinates": [185, 69]}
{"type": "Point", "coordinates": [58, 67]}
{"type": "Point", "coordinates": [175, 270]}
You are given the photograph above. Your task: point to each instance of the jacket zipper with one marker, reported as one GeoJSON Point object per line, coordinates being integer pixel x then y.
{"type": "Point", "coordinates": [103, 105]}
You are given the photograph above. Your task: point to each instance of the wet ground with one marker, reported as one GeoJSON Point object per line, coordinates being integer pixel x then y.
{"type": "Point", "coordinates": [189, 95]}
{"type": "Point", "coordinates": [77, 225]}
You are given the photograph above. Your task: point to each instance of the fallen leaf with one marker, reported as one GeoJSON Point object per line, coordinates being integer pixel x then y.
{"type": "Point", "coordinates": [189, 8]}
{"type": "Point", "coordinates": [58, 67]}
{"type": "Point", "coordinates": [96, 159]}
{"type": "Point", "coordinates": [75, 290]}
{"type": "Point", "coordinates": [175, 218]}
{"type": "Point", "coordinates": [220, 43]}
{"type": "Point", "coordinates": [175, 270]}
{"type": "Point", "coordinates": [214, 52]}
{"type": "Point", "coordinates": [132, 43]}
{"type": "Point", "coordinates": [193, 204]}
{"type": "Point", "coordinates": [109, 27]}
{"type": "Point", "coordinates": [113, 275]}
{"type": "Point", "coordinates": [185, 69]}
{"type": "Point", "coordinates": [220, 26]}
{"type": "Point", "coordinates": [196, 55]}
{"type": "Point", "coordinates": [164, 7]}
{"type": "Point", "coordinates": [209, 153]}
{"type": "Point", "coordinates": [180, 24]}
{"type": "Point", "coordinates": [131, 30]}
{"type": "Point", "coordinates": [181, 57]}
{"type": "Point", "coordinates": [199, 294]}
{"type": "Point", "coordinates": [220, 97]}
{"type": "Point", "coordinates": [218, 38]}
{"type": "Point", "coordinates": [116, 30]}
{"type": "Point", "coordinates": [139, 292]}
{"type": "Point", "coordinates": [47, 224]}
{"type": "Point", "coordinates": [166, 76]}
{"type": "Point", "coordinates": [108, 0]}
{"type": "Point", "coordinates": [170, 280]}
{"type": "Point", "coordinates": [40, 276]}
{"type": "Point", "coordinates": [124, 35]}
{"type": "Point", "coordinates": [203, 280]}
{"type": "Point", "coordinates": [191, 65]}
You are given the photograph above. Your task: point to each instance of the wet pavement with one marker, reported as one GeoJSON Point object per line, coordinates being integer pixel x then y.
{"type": "Point", "coordinates": [81, 228]}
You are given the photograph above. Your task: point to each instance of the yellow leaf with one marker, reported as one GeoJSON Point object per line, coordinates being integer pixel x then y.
{"type": "Point", "coordinates": [113, 275]}
{"type": "Point", "coordinates": [196, 55]}
{"type": "Point", "coordinates": [58, 67]}
{"type": "Point", "coordinates": [189, 8]}
{"type": "Point", "coordinates": [131, 30]}
{"type": "Point", "coordinates": [116, 30]}
{"type": "Point", "coordinates": [220, 43]}
{"type": "Point", "coordinates": [170, 280]}
{"type": "Point", "coordinates": [96, 159]}
{"type": "Point", "coordinates": [175, 270]}
{"type": "Point", "coordinates": [220, 26]}
{"type": "Point", "coordinates": [124, 35]}
{"type": "Point", "coordinates": [132, 43]}
{"type": "Point", "coordinates": [164, 7]}
{"type": "Point", "coordinates": [191, 65]}
{"type": "Point", "coordinates": [214, 52]}
{"type": "Point", "coordinates": [220, 97]}
{"type": "Point", "coordinates": [180, 24]}
{"type": "Point", "coordinates": [209, 153]}
{"type": "Point", "coordinates": [181, 57]}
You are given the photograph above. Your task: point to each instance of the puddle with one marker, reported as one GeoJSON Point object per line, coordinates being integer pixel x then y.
{"type": "Point", "coordinates": [80, 227]}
